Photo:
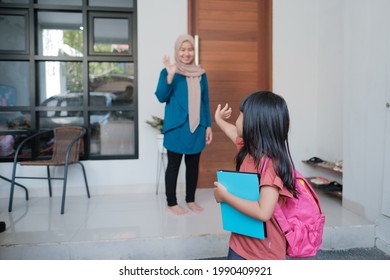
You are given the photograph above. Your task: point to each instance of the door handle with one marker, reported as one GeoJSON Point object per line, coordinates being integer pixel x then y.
{"type": "Point", "coordinates": [196, 38]}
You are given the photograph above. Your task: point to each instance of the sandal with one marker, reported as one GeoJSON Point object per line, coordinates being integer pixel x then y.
{"type": "Point", "coordinates": [315, 160]}
{"type": "Point", "coordinates": [331, 187]}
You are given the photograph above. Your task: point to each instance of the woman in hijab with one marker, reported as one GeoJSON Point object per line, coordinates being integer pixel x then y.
{"type": "Point", "coordinates": [183, 88]}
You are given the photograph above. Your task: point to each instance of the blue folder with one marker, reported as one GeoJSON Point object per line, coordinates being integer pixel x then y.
{"type": "Point", "coordinates": [246, 186]}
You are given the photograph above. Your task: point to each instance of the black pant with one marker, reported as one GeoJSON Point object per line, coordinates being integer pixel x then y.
{"type": "Point", "coordinates": [192, 171]}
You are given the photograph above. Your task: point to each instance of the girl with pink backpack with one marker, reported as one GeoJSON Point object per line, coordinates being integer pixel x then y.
{"type": "Point", "coordinates": [261, 137]}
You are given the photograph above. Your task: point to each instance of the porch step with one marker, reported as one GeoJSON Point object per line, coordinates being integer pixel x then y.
{"type": "Point", "coordinates": [137, 226]}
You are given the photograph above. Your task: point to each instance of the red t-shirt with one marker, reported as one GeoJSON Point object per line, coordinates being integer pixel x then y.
{"type": "Point", "coordinates": [274, 246]}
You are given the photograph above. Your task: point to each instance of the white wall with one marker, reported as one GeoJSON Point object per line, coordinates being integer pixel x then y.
{"type": "Point", "coordinates": [331, 62]}
{"type": "Point", "coordinates": [295, 71]}
{"type": "Point", "coordinates": [330, 79]}
{"type": "Point", "coordinates": [366, 25]}
{"type": "Point", "coordinates": [308, 72]}
{"type": "Point", "coordinates": [365, 90]}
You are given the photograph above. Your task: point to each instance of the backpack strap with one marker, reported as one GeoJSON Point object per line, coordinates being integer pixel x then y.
{"type": "Point", "coordinates": [281, 219]}
{"type": "Point", "coordinates": [308, 189]}
{"type": "Point", "coordinates": [278, 213]}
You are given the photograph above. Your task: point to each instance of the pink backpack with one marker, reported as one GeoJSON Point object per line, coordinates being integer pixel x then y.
{"type": "Point", "coordinates": [302, 221]}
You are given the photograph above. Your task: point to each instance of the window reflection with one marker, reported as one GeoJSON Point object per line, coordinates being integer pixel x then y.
{"type": "Point", "coordinates": [60, 93]}
{"type": "Point", "coordinates": [17, 120]}
{"type": "Point", "coordinates": [56, 2]}
{"type": "Point", "coordinates": [13, 33]}
{"type": "Point", "coordinates": [14, 83]}
{"type": "Point", "coordinates": [120, 124]}
{"type": "Point", "coordinates": [7, 96]}
{"type": "Point", "coordinates": [60, 78]}
{"type": "Point", "coordinates": [60, 34]}
{"type": "Point", "coordinates": [111, 35]}
{"type": "Point", "coordinates": [114, 78]}
{"type": "Point", "coordinates": [7, 145]}
{"type": "Point", "coordinates": [52, 119]}
{"type": "Point", "coordinates": [15, 1]}
{"type": "Point", "coordinates": [112, 3]}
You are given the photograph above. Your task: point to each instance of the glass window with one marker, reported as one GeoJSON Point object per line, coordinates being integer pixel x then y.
{"type": "Point", "coordinates": [7, 145]}
{"type": "Point", "coordinates": [58, 78]}
{"type": "Point", "coordinates": [10, 143]}
{"type": "Point", "coordinates": [13, 33]}
{"type": "Point", "coordinates": [112, 3]}
{"type": "Point", "coordinates": [111, 35]}
{"type": "Point", "coordinates": [15, 1]}
{"type": "Point", "coordinates": [72, 65]}
{"type": "Point", "coordinates": [114, 78]}
{"type": "Point", "coordinates": [57, 2]}
{"type": "Point", "coordinates": [15, 120]}
{"type": "Point", "coordinates": [14, 83]}
{"type": "Point", "coordinates": [7, 96]}
{"type": "Point", "coordinates": [52, 119]}
{"type": "Point", "coordinates": [103, 127]}
{"type": "Point", "coordinates": [60, 34]}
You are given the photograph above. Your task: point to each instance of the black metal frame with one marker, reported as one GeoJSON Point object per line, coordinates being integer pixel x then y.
{"type": "Point", "coordinates": [19, 185]}
{"type": "Point", "coordinates": [30, 9]}
{"type": "Point", "coordinates": [49, 178]}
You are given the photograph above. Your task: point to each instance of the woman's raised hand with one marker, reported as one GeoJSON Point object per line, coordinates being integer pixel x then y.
{"type": "Point", "coordinates": [171, 68]}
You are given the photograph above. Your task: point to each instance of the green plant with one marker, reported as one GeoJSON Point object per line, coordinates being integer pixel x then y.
{"type": "Point", "coordinates": [156, 123]}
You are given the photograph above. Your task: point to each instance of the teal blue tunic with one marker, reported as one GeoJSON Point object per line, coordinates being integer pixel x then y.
{"type": "Point", "coordinates": [177, 135]}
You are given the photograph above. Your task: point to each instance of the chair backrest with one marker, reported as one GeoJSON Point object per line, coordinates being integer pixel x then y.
{"type": "Point", "coordinates": [63, 137]}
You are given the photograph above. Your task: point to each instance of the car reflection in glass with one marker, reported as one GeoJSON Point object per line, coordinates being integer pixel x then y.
{"type": "Point", "coordinates": [51, 119]}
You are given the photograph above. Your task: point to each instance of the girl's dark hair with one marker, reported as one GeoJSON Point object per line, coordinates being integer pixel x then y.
{"type": "Point", "coordinates": [265, 129]}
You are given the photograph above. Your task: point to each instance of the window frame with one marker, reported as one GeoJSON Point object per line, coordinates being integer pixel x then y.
{"type": "Point", "coordinates": [25, 14]}
{"type": "Point", "coordinates": [92, 16]}
{"type": "Point", "coordinates": [30, 55]}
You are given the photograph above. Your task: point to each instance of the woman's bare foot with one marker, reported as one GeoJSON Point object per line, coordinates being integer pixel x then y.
{"type": "Point", "coordinates": [178, 210]}
{"type": "Point", "coordinates": [194, 207]}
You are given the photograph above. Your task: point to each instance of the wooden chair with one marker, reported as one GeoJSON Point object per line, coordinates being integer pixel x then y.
{"type": "Point", "coordinates": [68, 143]}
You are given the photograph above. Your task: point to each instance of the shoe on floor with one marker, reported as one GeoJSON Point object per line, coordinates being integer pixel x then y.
{"type": "Point", "coordinates": [315, 160]}
{"type": "Point", "coordinates": [331, 187]}
{"type": "Point", "coordinates": [2, 226]}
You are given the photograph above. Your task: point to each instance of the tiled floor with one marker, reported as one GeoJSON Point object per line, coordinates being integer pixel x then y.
{"type": "Point", "coordinates": [137, 226]}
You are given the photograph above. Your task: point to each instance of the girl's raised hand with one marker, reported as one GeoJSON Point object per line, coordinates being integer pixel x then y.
{"type": "Point", "coordinates": [223, 113]}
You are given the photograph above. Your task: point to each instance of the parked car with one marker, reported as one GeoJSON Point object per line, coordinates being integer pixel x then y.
{"type": "Point", "coordinates": [50, 119]}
